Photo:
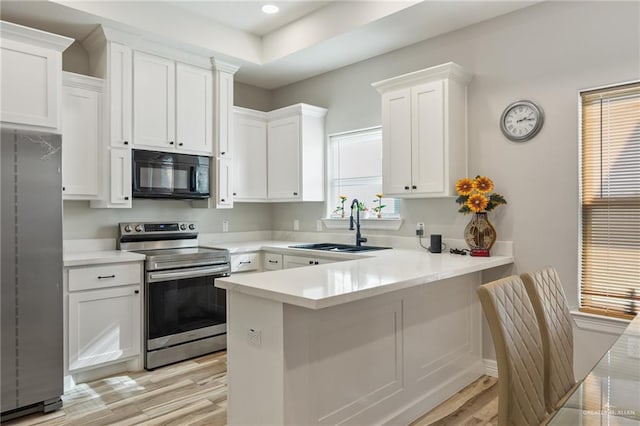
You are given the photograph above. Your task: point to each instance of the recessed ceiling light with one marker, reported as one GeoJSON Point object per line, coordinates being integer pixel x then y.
{"type": "Point", "coordinates": [270, 9]}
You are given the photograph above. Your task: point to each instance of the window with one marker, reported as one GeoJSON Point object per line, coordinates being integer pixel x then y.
{"type": "Point", "coordinates": [610, 200]}
{"type": "Point", "coordinates": [355, 171]}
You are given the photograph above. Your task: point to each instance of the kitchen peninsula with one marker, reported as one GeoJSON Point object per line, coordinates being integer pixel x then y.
{"type": "Point", "coordinates": [378, 339]}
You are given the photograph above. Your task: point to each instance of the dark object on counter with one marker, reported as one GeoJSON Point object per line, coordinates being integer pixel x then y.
{"type": "Point", "coordinates": [436, 243]}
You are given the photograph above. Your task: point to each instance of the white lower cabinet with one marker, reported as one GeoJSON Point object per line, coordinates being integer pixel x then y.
{"type": "Point", "coordinates": [104, 314]}
{"type": "Point", "coordinates": [245, 262]}
{"type": "Point", "coordinates": [104, 326]}
{"type": "Point", "coordinates": [272, 262]}
{"type": "Point", "coordinates": [299, 261]}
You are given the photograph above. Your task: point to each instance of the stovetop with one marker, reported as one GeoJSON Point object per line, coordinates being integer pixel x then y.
{"type": "Point", "coordinates": [169, 245]}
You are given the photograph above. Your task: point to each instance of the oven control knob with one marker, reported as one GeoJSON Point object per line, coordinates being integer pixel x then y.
{"type": "Point", "coordinates": [127, 228]}
{"type": "Point", "coordinates": [138, 228]}
{"type": "Point", "coordinates": [192, 226]}
{"type": "Point", "coordinates": [183, 227]}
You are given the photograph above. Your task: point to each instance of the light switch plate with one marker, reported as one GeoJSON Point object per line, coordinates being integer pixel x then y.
{"type": "Point", "coordinates": [225, 226]}
{"type": "Point", "coordinates": [319, 225]}
{"type": "Point", "coordinates": [296, 225]}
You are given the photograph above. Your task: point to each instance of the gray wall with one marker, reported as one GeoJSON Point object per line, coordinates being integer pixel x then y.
{"type": "Point", "coordinates": [80, 221]}
{"type": "Point", "coordinates": [546, 53]}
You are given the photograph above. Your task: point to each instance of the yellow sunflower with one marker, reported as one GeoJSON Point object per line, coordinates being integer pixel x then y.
{"type": "Point", "coordinates": [477, 202]}
{"type": "Point", "coordinates": [379, 195]}
{"type": "Point", "coordinates": [484, 184]}
{"type": "Point", "coordinates": [465, 186]}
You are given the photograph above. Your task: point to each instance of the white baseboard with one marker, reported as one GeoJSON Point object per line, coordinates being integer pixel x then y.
{"type": "Point", "coordinates": [490, 367]}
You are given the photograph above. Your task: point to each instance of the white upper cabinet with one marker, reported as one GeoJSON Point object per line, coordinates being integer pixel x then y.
{"type": "Point", "coordinates": [172, 105]}
{"type": "Point", "coordinates": [424, 121]}
{"type": "Point", "coordinates": [31, 75]}
{"type": "Point", "coordinates": [295, 153]}
{"type": "Point", "coordinates": [81, 136]}
{"type": "Point", "coordinates": [194, 104]}
{"type": "Point", "coordinates": [279, 155]}
{"type": "Point", "coordinates": [224, 110]}
{"type": "Point", "coordinates": [154, 102]}
{"type": "Point", "coordinates": [250, 155]}
{"type": "Point", "coordinates": [120, 86]}
{"type": "Point", "coordinates": [283, 158]}
{"type": "Point", "coordinates": [112, 60]}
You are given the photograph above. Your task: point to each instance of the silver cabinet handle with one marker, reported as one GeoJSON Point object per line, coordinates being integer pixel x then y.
{"type": "Point", "coordinates": [102, 277]}
{"type": "Point", "coordinates": [273, 261]}
{"type": "Point", "coordinates": [247, 262]}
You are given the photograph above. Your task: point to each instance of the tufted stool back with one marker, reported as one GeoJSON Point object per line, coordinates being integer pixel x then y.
{"type": "Point", "coordinates": [518, 345]}
{"type": "Point", "coordinates": [550, 305]}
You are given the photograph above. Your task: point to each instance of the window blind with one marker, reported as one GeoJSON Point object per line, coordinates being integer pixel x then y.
{"type": "Point", "coordinates": [610, 199]}
{"type": "Point", "coordinates": [355, 171]}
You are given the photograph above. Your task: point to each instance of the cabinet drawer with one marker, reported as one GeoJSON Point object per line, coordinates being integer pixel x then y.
{"type": "Point", "coordinates": [272, 261]}
{"type": "Point", "coordinates": [244, 262]}
{"type": "Point", "coordinates": [103, 276]}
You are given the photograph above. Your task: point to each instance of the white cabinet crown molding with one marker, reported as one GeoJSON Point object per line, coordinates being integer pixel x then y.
{"type": "Point", "coordinates": [449, 70]}
{"type": "Point", "coordinates": [249, 113]}
{"type": "Point", "coordinates": [223, 66]}
{"type": "Point", "coordinates": [305, 109]}
{"type": "Point", "coordinates": [103, 34]}
{"type": "Point", "coordinates": [82, 81]}
{"type": "Point", "coordinates": [34, 37]}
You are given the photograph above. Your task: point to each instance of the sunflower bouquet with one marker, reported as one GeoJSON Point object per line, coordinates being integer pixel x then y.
{"type": "Point", "coordinates": [474, 197]}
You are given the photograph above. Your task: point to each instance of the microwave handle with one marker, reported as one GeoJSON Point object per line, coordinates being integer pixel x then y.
{"type": "Point", "coordinates": [192, 179]}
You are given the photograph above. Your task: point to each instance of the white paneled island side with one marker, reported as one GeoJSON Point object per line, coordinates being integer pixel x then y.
{"type": "Point", "coordinates": [379, 339]}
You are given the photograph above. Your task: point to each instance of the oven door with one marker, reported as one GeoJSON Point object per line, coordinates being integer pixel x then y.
{"type": "Point", "coordinates": [184, 305]}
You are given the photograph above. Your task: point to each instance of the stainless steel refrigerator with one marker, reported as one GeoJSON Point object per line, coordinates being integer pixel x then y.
{"type": "Point", "coordinates": [31, 271]}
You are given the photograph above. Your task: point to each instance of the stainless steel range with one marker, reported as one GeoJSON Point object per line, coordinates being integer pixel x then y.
{"type": "Point", "coordinates": [185, 315]}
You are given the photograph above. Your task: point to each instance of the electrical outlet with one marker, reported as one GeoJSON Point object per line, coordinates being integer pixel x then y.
{"type": "Point", "coordinates": [296, 225]}
{"type": "Point", "coordinates": [319, 225]}
{"type": "Point", "coordinates": [254, 336]}
{"type": "Point", "coordinates": [225, 225]}
{"type": "Point", "coordinates": [420, 229]}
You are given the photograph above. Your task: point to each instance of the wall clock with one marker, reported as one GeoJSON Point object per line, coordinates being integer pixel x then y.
{"type": "Point", "coordinates": [521, 121]}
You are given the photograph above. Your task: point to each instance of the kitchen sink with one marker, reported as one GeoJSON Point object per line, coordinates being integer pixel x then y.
{"type": "Point", "coordinates": [337, 247]}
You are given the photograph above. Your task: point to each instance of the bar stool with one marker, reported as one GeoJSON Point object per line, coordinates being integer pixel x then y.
{"type": "Point", "coordinates": [518, 344]}
{"type": "Point", "coordinates": [554, 320]}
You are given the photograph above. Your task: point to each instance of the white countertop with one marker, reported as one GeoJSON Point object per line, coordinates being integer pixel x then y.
{"type": "Point", "coordinates": [99, 257]}
{"type": "Point", "coordinates": [368, 274]}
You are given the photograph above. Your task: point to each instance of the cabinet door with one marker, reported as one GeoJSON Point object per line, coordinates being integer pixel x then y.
{"type": "Point", "coordinates": [81, 130]}
{"type": "Point", "coordinates": [30, 84]}
{"type": "Point", "coordinates": [104, 326]}
{"type": "Point", "coordinates": [120, 187]}
{"type": "Point", "coordinates": [297, 261]}
{"type": "Point", "coordinates": [283, 159]}
{"type": "Point", "coordinates": [272, 262]}
{"type": "Point", "coordinates": [396, 142]}
{"type": "Point", "coordinates": [120, 95]}
{"type": "Point", "coordinates": [224, 182]}
{"type": "Point", "coordinates": [224, 115]}
{"type": "Point", "coordinates": [428, 142]}
{"type": "Point", "coordinates": [250, 160]}
{"type": "Point", "coordinates": [194, 105]}
{"type": "Point", "coordinates": [153, 102]}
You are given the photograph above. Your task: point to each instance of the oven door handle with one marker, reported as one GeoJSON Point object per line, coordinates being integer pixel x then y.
{"type": "Point", "coordinates": [153, 277]}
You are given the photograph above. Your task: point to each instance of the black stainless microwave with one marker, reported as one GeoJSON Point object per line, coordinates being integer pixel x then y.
{"type": "Point", "coordinates": [168, 175]}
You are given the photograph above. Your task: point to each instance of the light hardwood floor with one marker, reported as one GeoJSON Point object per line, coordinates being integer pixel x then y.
{"type": "Point", "coordinates": [195, 393]}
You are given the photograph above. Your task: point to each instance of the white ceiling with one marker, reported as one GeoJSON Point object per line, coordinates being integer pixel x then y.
{"type": "Point", "coordinates": [305, 39]}
{"type": "Point", "coordinates": [247, 15]}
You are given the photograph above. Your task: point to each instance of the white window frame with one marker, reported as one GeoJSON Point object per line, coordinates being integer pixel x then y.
{"type": "Point", "coordinates": [388, 222]}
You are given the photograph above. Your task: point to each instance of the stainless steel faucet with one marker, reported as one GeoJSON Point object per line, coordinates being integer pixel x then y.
{"type": "Point", "coordinates": [359, 238]}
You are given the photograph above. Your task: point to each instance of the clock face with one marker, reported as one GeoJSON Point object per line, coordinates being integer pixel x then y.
{"type": "Point", "coordinates": [521, 121]}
